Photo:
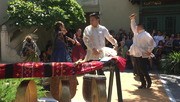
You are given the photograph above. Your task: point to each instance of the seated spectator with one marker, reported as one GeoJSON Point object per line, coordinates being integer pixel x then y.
{"type": "Point", "coordinates": [158, 38]}
{"type": "Point", "coordinates": [159, 50]}
{"type": "Point", "coordinates": [128, 42]}
{"type": "Point", "coordinates": [176, 43]}
{"type": "Point", "coordinates": [30, 50]}
{"type": "Point", "coordinates": [48, 53]}
{"type": "Point", "coordinates": [43, 57]}
{"type": "Point", "coordinates": [122, 50]}
{"type": "Point", "coordinates": [49, 50]}
{"type": "Point", "coordinates": [168, 44]}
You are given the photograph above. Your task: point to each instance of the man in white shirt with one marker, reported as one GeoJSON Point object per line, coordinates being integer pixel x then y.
{"type": "Point", "coordinates": [142, 47]}
{"type": "Point", "coordinates": [94, 38]}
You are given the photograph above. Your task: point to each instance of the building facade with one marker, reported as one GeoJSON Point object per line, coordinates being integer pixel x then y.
{"type": "Point", "coordinates": [114, 14]}
{"type": "Point", "coordinates": [163, 15]}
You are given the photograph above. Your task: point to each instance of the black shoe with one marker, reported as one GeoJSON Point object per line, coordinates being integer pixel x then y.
{"type": "Point", "coordinates": [141, 87]}
{"type": "Point", "coordinates": [135, 74]}
{"type": "Point", "coordinates": [136, 78]}
{"type": "Point", "coordinates": [149, 85]}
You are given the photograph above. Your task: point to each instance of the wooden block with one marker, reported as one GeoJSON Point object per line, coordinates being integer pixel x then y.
{"type": "Point", "coordinates": [26, 92]}
{"type": "Point", "coordinates": [94, 88]}
{"type": "Point", "coordinates": [63, 89]}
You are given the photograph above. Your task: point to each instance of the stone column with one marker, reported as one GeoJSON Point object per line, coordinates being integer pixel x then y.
{"type": "Point", "coordinates": [4, 43]}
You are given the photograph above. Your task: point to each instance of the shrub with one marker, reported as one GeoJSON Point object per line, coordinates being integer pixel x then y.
{"type": "Point", "coordinates": [171, 63]}
{"type": "Point", "coordinates": [8, 88]}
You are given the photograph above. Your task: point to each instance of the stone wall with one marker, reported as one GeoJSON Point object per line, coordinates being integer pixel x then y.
{"type": "Point", "coordinates": [12, 40]}
{"type": "Point", "coordinates": [8, 54]}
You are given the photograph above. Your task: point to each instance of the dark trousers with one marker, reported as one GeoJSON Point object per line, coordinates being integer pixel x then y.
{"type": "Point", "coordinates": [142, 69]}
{"type": "Point", "coordinates": [134, 64]}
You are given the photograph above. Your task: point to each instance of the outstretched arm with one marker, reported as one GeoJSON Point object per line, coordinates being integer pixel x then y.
{"type": "Point", "coordinates": [111, 39]}
{"type": "Point", "coordinates": [133, 23]}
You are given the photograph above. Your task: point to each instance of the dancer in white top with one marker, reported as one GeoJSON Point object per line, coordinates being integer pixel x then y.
{"type": "Point", "coordinates": [142, 47]}
{"type": "Point", "coordinates": [94, 38]}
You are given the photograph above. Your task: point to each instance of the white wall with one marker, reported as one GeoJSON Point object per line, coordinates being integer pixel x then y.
{"type": "Point", "coordinates": [115, 13]}
{"type": "Point", "coordinates": [89, 5]}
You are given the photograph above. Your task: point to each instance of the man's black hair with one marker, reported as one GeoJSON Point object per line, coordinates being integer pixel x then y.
{"type": "Point", "coordinates": [96, 15]}
{"type": "Point", "coordinates": [140, 25]}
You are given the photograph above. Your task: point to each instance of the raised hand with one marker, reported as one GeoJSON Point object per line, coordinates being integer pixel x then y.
{"type": "Point", "coordinates": [132, 16]}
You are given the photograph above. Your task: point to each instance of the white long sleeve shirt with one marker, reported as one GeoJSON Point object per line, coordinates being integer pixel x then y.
{"type": "Point", "coordinates": [142, 42]}
{"type": "Point", "coordinates": [94, 37]}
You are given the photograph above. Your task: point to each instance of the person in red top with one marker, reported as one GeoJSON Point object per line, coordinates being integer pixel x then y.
{"type": "Point", "coordinates": [78, 51]}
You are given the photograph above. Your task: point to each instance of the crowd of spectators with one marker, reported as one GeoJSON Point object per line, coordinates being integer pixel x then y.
{"type": "Point", "coordinates": [165, 44]}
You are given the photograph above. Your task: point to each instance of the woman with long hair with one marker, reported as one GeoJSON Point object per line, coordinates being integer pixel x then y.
{"type": "Point", "coordinates": [60, 52]}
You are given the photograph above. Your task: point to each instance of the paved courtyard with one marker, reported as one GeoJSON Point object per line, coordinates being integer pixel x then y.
{"type": "Point", "coordinates": [130, 92]}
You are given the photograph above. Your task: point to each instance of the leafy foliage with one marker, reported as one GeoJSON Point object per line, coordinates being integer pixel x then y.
{"type": "Point", "coordinates": [27, 13]}
{"type": "Point", "coordinates": [171, 63]}
{"type": "Point", "coordinates": [9, 87]}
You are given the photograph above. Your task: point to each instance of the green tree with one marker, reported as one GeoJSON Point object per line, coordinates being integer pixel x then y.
{"type": "Point", "coordinates": [39, 14]}
{"type": "Point", "coordinates": [28, 13]}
